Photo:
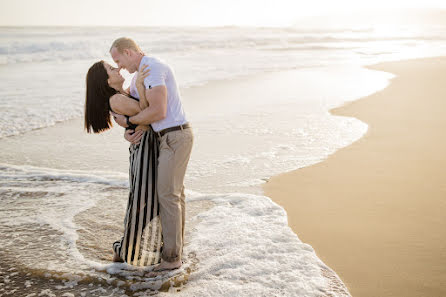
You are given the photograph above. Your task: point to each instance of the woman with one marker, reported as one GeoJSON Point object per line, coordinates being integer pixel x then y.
{"type": "Point", "coordinates": [141, 244]}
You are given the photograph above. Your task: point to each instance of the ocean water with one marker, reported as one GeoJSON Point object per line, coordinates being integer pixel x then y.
{"type": "Point", "coordinates": [62, 203]}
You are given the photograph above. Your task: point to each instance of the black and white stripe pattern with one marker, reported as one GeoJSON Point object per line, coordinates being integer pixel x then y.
{"type": "Point", "coordinates": [141, 244]}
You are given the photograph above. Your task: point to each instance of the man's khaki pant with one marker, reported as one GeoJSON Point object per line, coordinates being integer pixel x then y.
{"type": "Point", "coordinates": [174, 154]}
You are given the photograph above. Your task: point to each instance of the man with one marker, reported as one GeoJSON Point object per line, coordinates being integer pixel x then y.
{"type": "Point", "coordinates": [166, 115]}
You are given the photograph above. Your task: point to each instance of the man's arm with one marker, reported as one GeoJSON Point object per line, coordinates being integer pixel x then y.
{"type": "Point", "coordinates": [157, 109]}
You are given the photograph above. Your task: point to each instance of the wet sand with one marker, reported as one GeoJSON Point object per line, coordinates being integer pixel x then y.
{"type": "Point", "coordinates": [375, 211]}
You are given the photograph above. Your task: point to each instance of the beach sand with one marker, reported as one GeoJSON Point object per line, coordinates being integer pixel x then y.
{"type": "Point", "coordinates": [375, 211]}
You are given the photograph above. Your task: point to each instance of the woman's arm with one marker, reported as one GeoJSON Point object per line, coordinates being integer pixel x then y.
{"type": "Point", "coordinates": [124, 105]}
{"type": "Point", "coordinates": [143, 103]}
{"type": "Point", "coordinates": [143, 72]}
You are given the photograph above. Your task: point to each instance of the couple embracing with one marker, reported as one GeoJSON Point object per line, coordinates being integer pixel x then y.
{"type": "Point", "coordinates": [160, 146]}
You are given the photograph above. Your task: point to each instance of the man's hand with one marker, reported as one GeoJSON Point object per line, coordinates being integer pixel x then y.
{"type": "Point", "coordinates": [119, 119]}
{"type": "Point", "coordinates": [132, 136]}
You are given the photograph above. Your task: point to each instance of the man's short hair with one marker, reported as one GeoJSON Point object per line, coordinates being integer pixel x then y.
{"type": "Point", "coordinates": [125, 43]}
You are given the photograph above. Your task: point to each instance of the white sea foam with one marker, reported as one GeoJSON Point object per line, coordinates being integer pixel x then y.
{"type": "Point", "coordinates": [242, 245]}
{"type": "Point", "coordinates": [246, 248]}
{"type": "Point", "coordinates": [49, 199]}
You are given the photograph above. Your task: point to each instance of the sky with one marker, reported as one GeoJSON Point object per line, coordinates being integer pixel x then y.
{"type": "Point", "coordinates": [190, 12]}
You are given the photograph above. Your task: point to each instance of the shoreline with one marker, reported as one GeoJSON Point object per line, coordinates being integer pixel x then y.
{"type": "Point", "coordinates": [366, 208]}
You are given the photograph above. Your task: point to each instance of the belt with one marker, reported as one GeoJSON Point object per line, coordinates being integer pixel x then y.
{"type": "Point", "coordinates": [180, 127]}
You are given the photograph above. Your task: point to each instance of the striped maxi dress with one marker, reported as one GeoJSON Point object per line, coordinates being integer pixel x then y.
{"type": "Point", "coordinates": [141, 244]}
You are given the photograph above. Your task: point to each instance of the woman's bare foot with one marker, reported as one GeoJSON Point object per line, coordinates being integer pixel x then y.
{"type": "Point", "coordinates": [117, 258]}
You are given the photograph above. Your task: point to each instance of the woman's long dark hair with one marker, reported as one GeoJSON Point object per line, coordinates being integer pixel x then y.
{"type": "Point", "coordinates": [97, 105]}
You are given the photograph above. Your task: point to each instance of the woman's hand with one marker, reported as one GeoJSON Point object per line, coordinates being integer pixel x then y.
{"type": "Point", "coordinates": [133, 136]}
{"type": "Point", "coordinates": [143, 72]}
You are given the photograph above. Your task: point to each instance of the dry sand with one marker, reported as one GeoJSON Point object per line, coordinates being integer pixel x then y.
{"type": "Point", "coordinates": [375, 211]}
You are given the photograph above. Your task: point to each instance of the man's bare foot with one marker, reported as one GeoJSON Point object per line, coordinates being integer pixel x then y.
{"type": "Point", "coordinates": [168, 265]}
{"type": "Point", "coordinates": [116, 258]}
{"type": "Point", "coordinates": [164, 266]}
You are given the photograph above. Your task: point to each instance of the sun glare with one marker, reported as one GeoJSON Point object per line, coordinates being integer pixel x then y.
{"type": "Point", "coordinates": [194, 12]}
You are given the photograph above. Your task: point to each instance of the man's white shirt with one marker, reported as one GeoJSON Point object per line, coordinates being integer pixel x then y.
{"type": "Point", "coordinates": [162, 74]}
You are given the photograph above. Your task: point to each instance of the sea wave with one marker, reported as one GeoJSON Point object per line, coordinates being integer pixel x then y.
{"type": "Point", "coordinates": [9, 172]}
{"type": "Point", "coordinates": [20, 45]}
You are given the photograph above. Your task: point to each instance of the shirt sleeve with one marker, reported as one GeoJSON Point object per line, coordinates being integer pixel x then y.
{"type": "Point", "coordinates": [157, 76]}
